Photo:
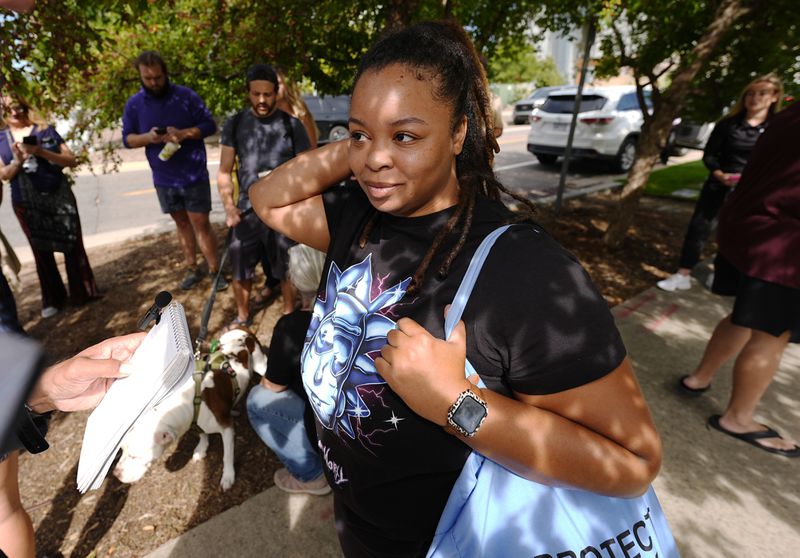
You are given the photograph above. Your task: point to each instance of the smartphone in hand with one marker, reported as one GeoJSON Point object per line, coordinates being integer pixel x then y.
{"type": "Point", "coordinates": [161, 130]}
{"type": "Point", "coordinates": [30, 140]}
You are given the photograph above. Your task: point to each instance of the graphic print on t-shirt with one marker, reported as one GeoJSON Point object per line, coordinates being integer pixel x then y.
{"type": "Point", "coordinates": [346, 334]}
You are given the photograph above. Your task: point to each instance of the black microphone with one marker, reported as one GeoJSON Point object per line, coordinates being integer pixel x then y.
{"type": "Point", "coordinates": [154, 313]}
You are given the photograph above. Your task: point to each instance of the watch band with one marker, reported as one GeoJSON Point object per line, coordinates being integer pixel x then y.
{"type": "Point", "coordinates": [452, 414]}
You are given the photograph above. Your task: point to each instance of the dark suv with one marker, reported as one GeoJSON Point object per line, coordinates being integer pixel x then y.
{"type": "Point", "coordinates": [330, 112]}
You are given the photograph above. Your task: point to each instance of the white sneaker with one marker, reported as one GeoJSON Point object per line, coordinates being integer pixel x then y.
{"type": "Point", "coordinates": [286, 482]}
{"type": "Point", "coordinates": [675, 282]}
{"type": "Point", "coordinates": [49, 311]}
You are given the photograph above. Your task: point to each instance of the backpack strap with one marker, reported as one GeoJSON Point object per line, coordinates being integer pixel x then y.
{"type": "Point", "coordinates": [287, 122]}
{"type": "Point", "coordinates": [237, 118]}
{"type": "Point", "coordinates": [465, 289]}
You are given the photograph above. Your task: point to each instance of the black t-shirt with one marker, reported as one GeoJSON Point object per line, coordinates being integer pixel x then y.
{"type": "Point", "coordinates": [283, 365]}
{"type": "Point", "coordinates": [262, 144]}
{"type": "Point", "coordinates": [535, 325]}
{"type": "Point", "coordinates": [730, 144]}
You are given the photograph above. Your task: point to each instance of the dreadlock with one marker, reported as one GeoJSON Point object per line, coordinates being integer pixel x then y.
{"type": "Point", "coordinates": [442, 52]}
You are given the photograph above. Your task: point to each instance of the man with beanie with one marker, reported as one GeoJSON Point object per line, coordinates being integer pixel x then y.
{"type": "Point", "coordinates": [258, 139]}
{"type": "Point", "coordinates": [170, 122]}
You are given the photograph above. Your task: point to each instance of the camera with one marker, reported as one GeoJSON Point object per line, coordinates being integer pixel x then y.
{"type": "Point", "coordinates": [161, 131]}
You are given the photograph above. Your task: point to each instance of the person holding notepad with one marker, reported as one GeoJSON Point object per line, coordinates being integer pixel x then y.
{"type": "Point", "coordinates": [75, 384]}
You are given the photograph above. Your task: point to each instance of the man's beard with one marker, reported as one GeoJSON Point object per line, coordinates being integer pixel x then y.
{"type": "Point", "coordinates": [270, 108]}
{"type": "Point", "coordinates": [157, 93]}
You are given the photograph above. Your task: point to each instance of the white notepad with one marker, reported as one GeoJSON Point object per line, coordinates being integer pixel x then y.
{"type": "Point", "coordinates": [162, 363]}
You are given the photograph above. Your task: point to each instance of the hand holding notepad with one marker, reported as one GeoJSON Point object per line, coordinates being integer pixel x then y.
{"type": "Point", "coordinates": [162, 363]}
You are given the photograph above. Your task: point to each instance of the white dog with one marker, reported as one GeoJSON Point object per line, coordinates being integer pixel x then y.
{"type": "Point", "coordinates": [220, 390]}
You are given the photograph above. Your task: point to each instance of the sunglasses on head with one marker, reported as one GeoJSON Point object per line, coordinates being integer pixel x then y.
{"type": "Point", "coordinates": [9, 109]}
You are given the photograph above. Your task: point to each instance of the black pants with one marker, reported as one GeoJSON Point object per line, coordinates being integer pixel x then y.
{"type": "Point", "coordinates": [82, 286]}
{"type": "Point", "coordinates": [9, 322]}
{"type": "Point", "coordinates": [704, 220]}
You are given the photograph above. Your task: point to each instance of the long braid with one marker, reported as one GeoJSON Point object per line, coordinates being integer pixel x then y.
{"type": "Point", "coordinates": [368, 226]}
{"type": "Point", "coordinates": [471, 196]}
{"type": "Point", "coordinates": [443, 52]}
{"type": "Point", "coordinates": [419, 274]}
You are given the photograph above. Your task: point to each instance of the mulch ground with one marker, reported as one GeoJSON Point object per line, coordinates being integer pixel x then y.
{"type": "Point", "coordinates": [177, 494]}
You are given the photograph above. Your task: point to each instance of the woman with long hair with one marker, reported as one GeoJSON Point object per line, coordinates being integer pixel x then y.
{"type": "Point", "coordinates": [562, 405]}
{"type": "Point", "coordinates": [29, 145]}
{"type": "Point", "coordinates": [291, 102]}
{"type": "Point", "coordinates": [725, 156]}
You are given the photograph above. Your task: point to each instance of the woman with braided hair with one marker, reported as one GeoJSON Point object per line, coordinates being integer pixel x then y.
{"type": "Point", "coordinates": [562, 404]}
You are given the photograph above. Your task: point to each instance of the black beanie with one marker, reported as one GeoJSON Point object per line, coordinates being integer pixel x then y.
{"type": "Point", "coordinates": [262, 72]}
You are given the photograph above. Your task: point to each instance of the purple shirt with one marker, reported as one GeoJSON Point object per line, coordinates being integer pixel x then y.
{"type": "Point", "coordinates": [48, 175]}
{"type": "Point", "coordinates": [182, 108]}
{"type": "Point", "coordinates": [759, 225]}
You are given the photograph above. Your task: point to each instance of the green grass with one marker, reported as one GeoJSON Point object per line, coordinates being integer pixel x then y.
{"type": "Point", "coordinates": [664, 182]}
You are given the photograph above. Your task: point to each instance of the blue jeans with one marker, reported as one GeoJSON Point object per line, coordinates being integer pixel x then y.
{"type": "Point", "coordinates": [278, 420]}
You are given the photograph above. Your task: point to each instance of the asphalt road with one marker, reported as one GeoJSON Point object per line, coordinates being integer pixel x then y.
{"type": "Point", "coordinates": [124, 204]}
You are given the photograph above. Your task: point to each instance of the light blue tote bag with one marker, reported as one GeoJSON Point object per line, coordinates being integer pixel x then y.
{"type": "Point", "coordinates": [493, 512]}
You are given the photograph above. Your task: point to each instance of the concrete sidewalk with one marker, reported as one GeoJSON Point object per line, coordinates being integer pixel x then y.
{"type": "Point", "coordinates": [721, 496]}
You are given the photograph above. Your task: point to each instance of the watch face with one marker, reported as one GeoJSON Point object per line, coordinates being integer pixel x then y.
{"type": "Point", "coordinates": [469, 414]}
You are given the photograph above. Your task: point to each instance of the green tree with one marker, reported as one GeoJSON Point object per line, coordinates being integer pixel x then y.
{"type": "Point", "coordinates": [671, 46]}
{"type": "Point", "coordinates": [525, 66]}
{"type": "Point", "coordinates": [74, 57]}
{"type": "Point", "coordinates": [67, 57]}
{"type": "Point", "coordinates": [765, 42]}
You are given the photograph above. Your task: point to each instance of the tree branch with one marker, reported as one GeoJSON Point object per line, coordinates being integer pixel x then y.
{"type": "Point", "coordinates": [666, 69]}
{"type": "Point", "coordinates": [624, 59]}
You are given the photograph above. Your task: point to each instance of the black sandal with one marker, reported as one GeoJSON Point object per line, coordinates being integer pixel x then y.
{"type": "Point", "coordinates": [752, 438]}
{"type": "Point", "coordinates": [691, 392]}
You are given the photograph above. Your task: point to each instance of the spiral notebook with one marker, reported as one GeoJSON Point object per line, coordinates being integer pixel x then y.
{"type": "Point", "coordinates": [162, 363]}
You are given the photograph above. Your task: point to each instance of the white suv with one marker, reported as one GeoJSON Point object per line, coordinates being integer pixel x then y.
{"type": "Point", "coordinates": [609, 123]}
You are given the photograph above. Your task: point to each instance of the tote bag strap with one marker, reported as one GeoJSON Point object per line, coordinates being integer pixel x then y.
{"type": "Point", "coordinates": [465, 289]}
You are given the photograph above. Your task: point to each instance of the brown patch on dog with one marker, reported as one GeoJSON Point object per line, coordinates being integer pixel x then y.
{"type": "Point", "coordinates": [243, 357]}
{"type": "Point", "coordinates": [219, 399]}
{"type": "Point", "coordinates": [250, 343]}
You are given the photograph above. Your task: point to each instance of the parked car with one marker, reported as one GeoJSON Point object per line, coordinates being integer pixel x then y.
{"type": "Point", "coordinates": [692, 135]}
{"type": "Point", "coordinates": [330, 113]}
{"type": "Point", "coordinates": [523, 108]}
{"type": "Point", "coordinates": [608, 126]}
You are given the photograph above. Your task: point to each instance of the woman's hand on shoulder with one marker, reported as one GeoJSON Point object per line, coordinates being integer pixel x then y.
{"type": "Point", "coordinates": [426, 372]}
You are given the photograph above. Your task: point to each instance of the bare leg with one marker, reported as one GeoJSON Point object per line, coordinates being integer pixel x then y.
{"type": "Point", "coordinates": [752, 374]}
{"type": "Point", "coordinates": [726, 341]}
{"type": "Point", "coordinates": [241, 293]}
{"type": "Point", "coordinates": [289, 296]}
{"type": "Point", "coordinates": [186, 237]}
{"type": "Point", "coordinates": [205, 238]}
{"type": "Point", "coordinates": [16, 529]}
